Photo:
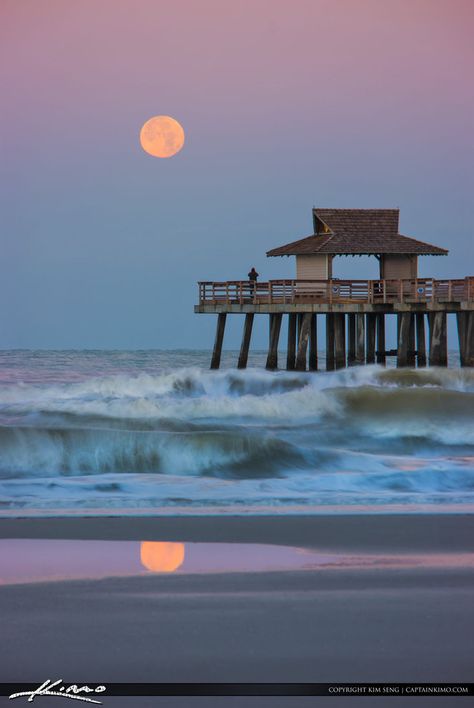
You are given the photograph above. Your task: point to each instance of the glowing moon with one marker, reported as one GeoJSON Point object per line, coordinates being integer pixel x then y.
{"type": "Point", "coordinates": [161, 556]}
{"type": "Point", "coordinates": [162, 136]}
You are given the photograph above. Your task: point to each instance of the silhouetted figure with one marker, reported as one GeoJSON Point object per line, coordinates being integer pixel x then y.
{"type": "Point", "coordinates": [253, 275]}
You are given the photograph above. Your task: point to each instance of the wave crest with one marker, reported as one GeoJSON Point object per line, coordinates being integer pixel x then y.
{"type": "Point", "coordinates": [56, 451]}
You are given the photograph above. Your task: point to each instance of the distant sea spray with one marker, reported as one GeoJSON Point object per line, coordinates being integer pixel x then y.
{"type": "Point", "coordinates": [148, 430]}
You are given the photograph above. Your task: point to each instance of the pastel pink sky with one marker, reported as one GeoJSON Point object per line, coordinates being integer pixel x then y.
{"type": "Point", "coordinates": [362, 103]}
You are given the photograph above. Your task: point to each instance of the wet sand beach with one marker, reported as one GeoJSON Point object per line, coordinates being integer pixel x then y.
{"type": "Point", "coordinates": [384, 623]}
{"type": "Point", "coordinates": [428, 532]}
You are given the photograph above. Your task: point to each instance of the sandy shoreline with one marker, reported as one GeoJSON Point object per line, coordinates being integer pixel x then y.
{"type": "Point", "coordinates": [397, 625]}
{"type": "Point", "coordinates": [379, 624]}
{"type": "Point", "coordinates": [351, 532]}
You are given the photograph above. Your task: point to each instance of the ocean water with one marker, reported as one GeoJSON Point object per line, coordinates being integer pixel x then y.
{"type": "Point", "coordinates": [156, 431]}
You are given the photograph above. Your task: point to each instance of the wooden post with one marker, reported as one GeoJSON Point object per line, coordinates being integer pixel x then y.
{"type": "Point", "coordinates": [330, 362]}
{"type": "Point", "coordinates": [381, 338]}
{"type": "Point", "coordinates": [313, 344]}
{"type": "Point", "coordinates": [461, 323]}
{"type": "Point", "coordinates": [370, 338]}
{"type": "Point", "coordinates": [411, 356]}
{"type": "Point", "coordinates": [300, 316]}
{"type": "Point", "coordinates": [244, 347]}
{"type": "Point", "coordinates": [291, 350]}
{"type": "Point", "coordinates": [275, 325]}
{"type": "Point", "coordinates": [340, 340]}
{"type": "Point", "coordinates": [403, 343]}
{"type": "Point", "coordinates": [303, 342]}
{"type": "Point", "coordinates": [351, 337]}
{"type": "Point", "coordinates": [420, 339]}
{"type": "Point", "coordinates": [438, 339]}
{"type": "Point", "coordinates": [469, 341]}
{"type": "Point", "coordinates": [465, 322]}
{"type": "Point", "coordinates": [216, 352]}
{"type": "Point", "coordinates": [360, 339]}
{"type": "Point", "coordinates": [430, 316]}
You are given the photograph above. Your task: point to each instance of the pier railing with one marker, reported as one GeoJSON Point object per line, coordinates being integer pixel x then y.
{"type": "Point", "coordinates": [336, 291]}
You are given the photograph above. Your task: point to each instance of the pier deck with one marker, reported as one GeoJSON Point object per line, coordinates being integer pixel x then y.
{"type": "Point", "coordinates": [235, 296]}
{"type": "Point", "coordinates": [355, 319]}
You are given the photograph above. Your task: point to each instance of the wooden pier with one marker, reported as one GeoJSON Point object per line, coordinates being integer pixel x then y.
{"type": "Point", "coordinates": [355, 314]}
{"type": "Point", "coordinates": [355, 311]}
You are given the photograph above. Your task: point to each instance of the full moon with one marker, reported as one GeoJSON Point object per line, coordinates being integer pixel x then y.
{"type": "Point", "coordinates": [161, 556]}
{"type": "Point", "coordinates": [162, 136]}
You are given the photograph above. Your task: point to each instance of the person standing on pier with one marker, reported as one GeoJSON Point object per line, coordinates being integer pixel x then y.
{"type": "Point", "coordinates": [253, 275]}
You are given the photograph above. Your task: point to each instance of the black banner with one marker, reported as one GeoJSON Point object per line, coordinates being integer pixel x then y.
{"type": "Point", "coordinates": [98, 692]}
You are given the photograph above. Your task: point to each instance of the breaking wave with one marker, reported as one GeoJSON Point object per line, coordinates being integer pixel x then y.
{"type": "Point", "coordinates": [365, 433]}
{"type": "Point", "coordinates": [69, 451]}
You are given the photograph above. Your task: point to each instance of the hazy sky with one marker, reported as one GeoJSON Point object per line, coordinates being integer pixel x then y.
{"type": "Point", "coordinates": [285, 105]}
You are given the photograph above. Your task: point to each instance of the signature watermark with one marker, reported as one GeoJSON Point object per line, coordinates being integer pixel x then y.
{"type": "Point", "coordinates": [55, 688]}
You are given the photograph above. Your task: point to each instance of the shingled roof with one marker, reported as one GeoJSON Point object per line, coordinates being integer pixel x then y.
{"type": "Point", "coordinates": [356, 231]}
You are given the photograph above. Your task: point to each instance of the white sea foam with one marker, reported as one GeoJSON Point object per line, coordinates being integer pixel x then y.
{"type": "Point", "coordinates": [78, 438]}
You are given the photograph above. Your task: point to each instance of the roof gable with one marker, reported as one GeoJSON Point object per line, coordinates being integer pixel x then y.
{"type": "Point", "coordinates": [356, 231]}
{"type": "Point", "coordinates": [359, 221]}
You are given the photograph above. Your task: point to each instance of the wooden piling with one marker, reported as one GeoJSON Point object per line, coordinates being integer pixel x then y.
{"type": "Point", "coordinates": [469, 341]}
{"type": "Point", "coordinates": [291, 348]}
{"type": "Point", "coordinates": [420, 339]}
{"type": "Point", "coordinates": [430, 334]}
{"type": "Point", "coordinates": [340, 340]}
{"type": "Point", "coordinates": [381, 338]}
{"type": "Point", "coordinates": [275, 326]}
{"type": "Point", "coordinates": [438, 339]}
{"type": "Point", "coordinates": [360, 339]}
{"type": "Point", "coordinates": [299, 325]}
{"type": "Point", "coordinates": [244, 347]}
{"type": "Point", "coordinates": [465, 322]}
{"type": "Point", "coordinates": [330, 361]}
{"type": "Point", "coordinates": [313, 344]}
{"type": "Point", "coordinates": [351, 339]}
{"type": "Point", "coordinates": [370, 338]}
{"type": "Point", "coordinates": [404, 321]}
{"type": "Point", "coordinates": [217, 351]}
{"type": "Point", "coordinates": [303, 342]}
{"type": "Point", "coordinates": [411, 354]}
